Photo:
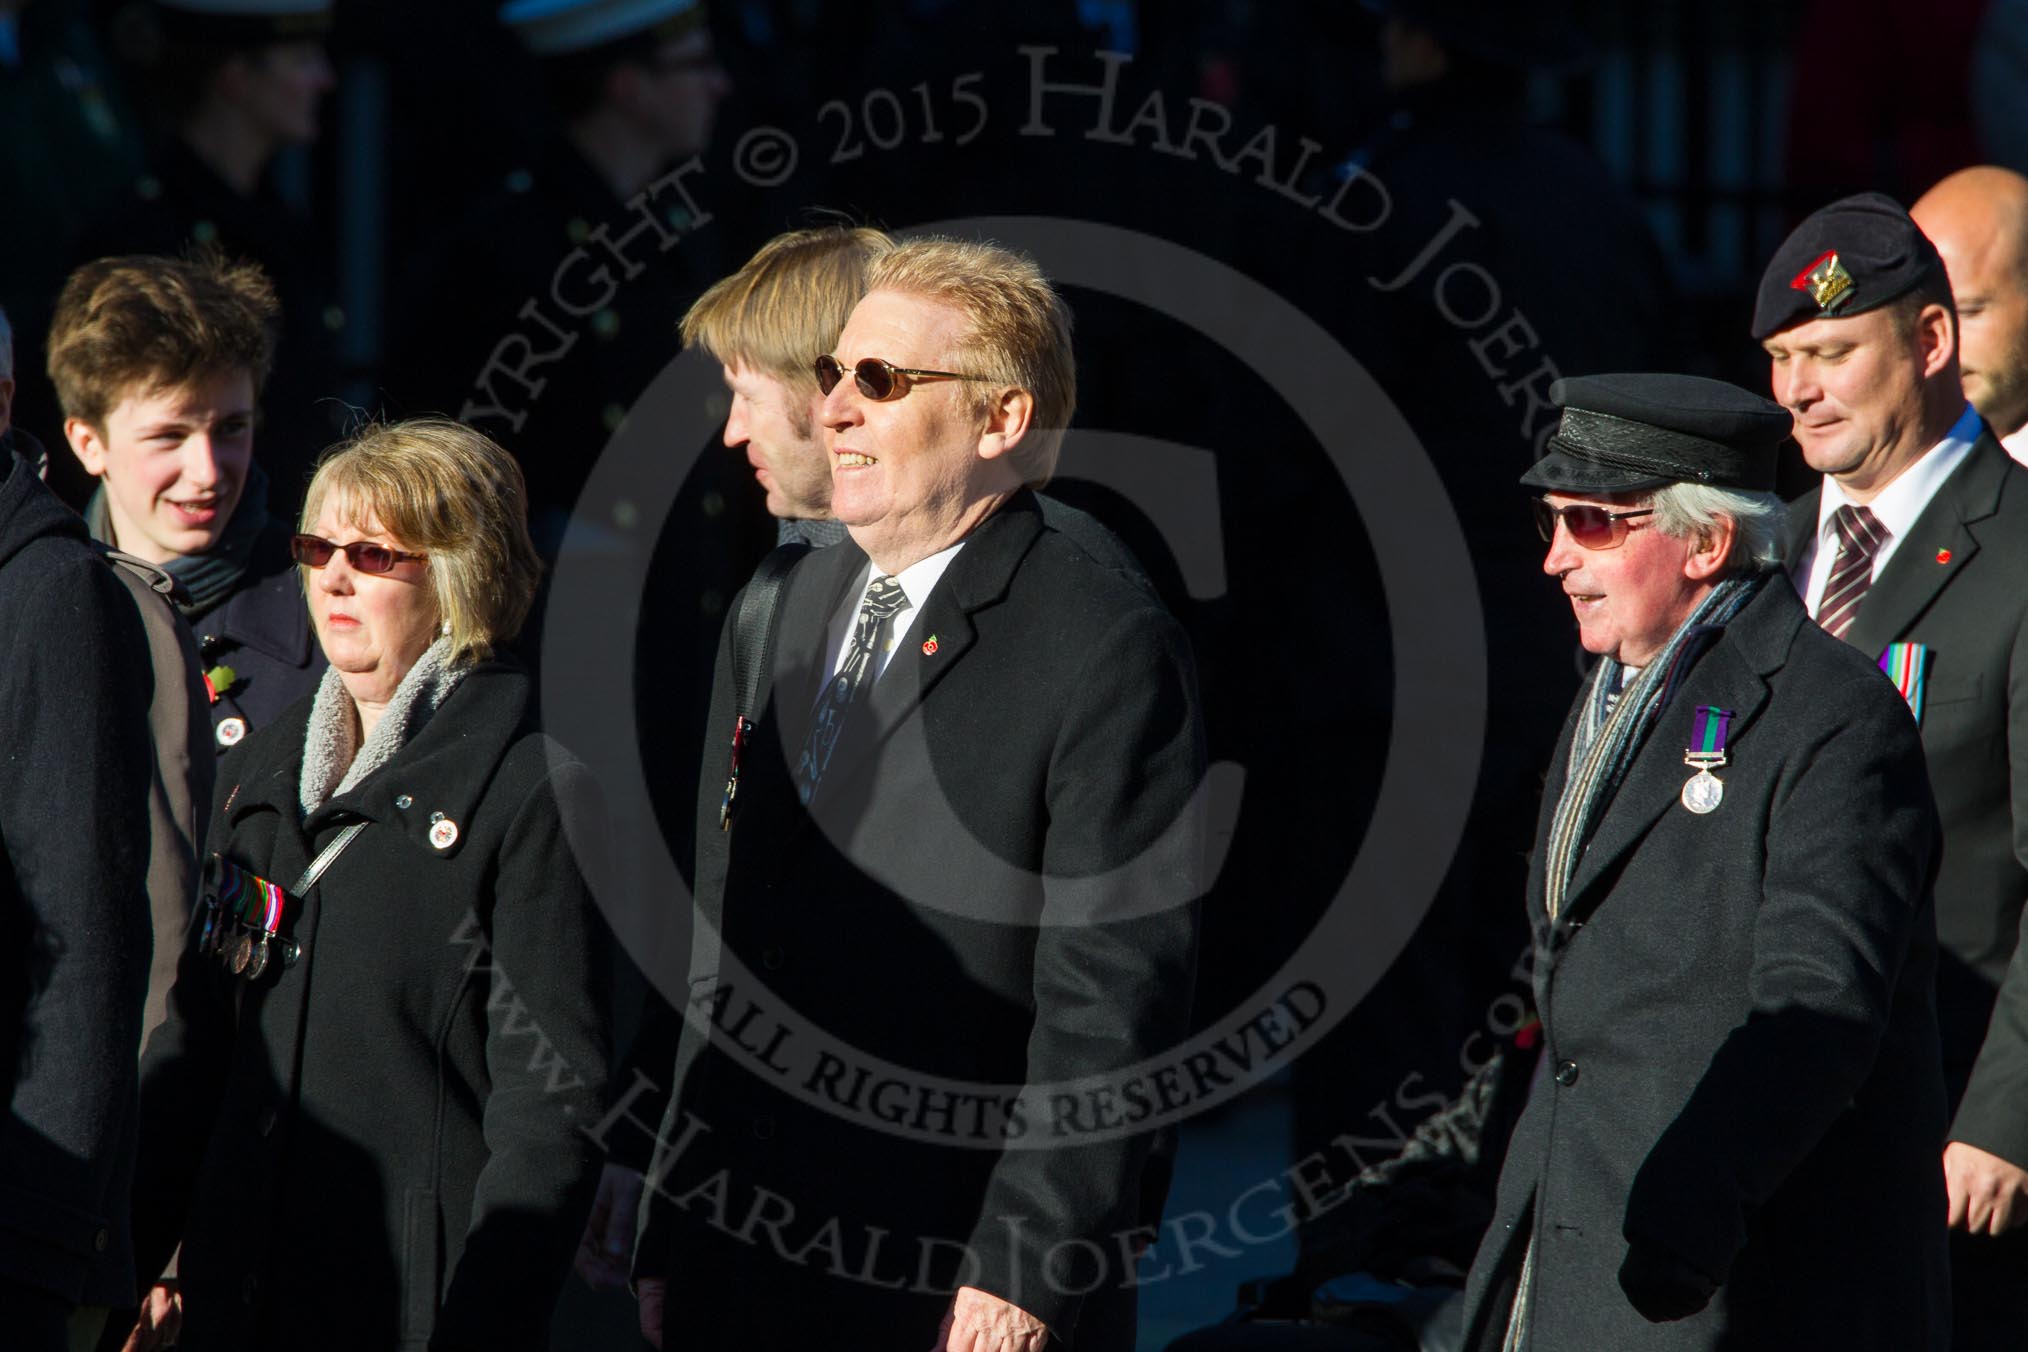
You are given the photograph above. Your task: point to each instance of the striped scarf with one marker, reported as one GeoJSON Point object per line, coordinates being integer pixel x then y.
{"type": "Point", "coordinates": [1610, 731]}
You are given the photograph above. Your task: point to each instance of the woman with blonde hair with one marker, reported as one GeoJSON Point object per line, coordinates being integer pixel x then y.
{"type": "Point", "coordinates": [361, 1120]}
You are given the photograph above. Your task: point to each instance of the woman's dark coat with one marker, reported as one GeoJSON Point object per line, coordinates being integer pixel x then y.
{"type": "Point", "coordinates": [379, 1147]}
{"type": "Point", "coordinates": [1740, 1063]}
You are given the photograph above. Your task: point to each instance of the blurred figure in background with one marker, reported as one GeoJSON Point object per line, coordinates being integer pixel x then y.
{"type": "Point", "coordinates": [1474, 250]}
{"type": "Point", "coordinates": [232, 87]}
{"type": "Point", "coordinates": [1978, 220]}
{"type": "Point", "coordinates": [546, 311]}
{"type": "Point", "coordinates": [84, 150]}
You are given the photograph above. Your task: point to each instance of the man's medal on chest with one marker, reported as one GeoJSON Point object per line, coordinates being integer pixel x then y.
{"type": "Point", "coordinates": [1704, 791]}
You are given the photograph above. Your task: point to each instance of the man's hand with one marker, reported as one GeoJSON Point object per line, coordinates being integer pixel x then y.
{"type": "Point", "coordinates": [605, 1254]}
{"type": "Point", "coordinates": [1989, 1195]}
{"type": "Point", "coordinates": [1662, 1286]}
{"type": "Point", "coordinates": [652, 1291]}
{"type": "Point", "coordinates": [159, 1321]}
{"type": "Point", "coordinates": [979, 1322]}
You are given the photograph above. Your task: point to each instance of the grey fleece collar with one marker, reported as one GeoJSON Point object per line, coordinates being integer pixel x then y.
{"type": "Point", "coordinates": [334, 761]}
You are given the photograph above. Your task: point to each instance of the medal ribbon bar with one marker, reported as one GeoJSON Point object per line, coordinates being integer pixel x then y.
{"type": "Point", "coordinates": [1707, 737]}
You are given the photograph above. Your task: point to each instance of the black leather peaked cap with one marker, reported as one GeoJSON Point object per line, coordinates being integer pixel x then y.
{"type": "Point", "coordinates": [1630, 433]}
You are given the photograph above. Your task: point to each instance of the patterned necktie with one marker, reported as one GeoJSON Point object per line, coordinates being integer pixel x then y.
{"type": "Point", "coordinates": [1860, 536]}
{"type": "Point", "coordinates": [884, 597]}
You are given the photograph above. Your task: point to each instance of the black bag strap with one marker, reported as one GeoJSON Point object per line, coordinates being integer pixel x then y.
{"type": "Point", "coordinates": [753, 646]}
{"type": "Point", "coordinates": [325, 858]}
{"type": "Point", "coordinates": [753, 643]}
{"type": "Point", "coordinates": [753, 630]}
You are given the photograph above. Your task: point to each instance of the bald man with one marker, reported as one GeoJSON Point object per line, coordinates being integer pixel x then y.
{"type": "Point", "coordinates": [1978, 219]}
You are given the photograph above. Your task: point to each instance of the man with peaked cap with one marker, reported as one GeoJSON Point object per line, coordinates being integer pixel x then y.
{"type": "Point", "coordinates": [1915, 552]}
{"type": "Point", "coordinates": [545, 311]}
{"type": "Point", "coordinates": [1978, 219]}
{"type": "Point", "coordinates": [1731, 1139]}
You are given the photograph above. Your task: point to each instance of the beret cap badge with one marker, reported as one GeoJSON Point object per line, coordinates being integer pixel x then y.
{"type": "Point", "coordinates": [1829, 285]}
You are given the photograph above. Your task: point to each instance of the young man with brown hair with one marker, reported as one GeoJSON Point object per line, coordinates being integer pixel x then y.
{"type": "Point", "coordinates": [158, 364]}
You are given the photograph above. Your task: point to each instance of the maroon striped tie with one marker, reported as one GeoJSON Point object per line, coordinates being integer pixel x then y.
{"type": "Point", "coordinates": [1860, 536]}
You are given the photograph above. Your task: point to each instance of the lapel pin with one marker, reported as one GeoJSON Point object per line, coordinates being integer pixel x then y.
{"type": "Point", "coordinates": [1943, 556]}
{"type": "Point", "coordinates": [929, 646]}
{"type": "Point", "coordinates": [443, 831]}
{"type": "Point", "coordinates": [231, 731]}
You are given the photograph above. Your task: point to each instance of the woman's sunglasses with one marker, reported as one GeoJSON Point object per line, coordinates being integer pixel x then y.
{"type": "Point", "coordinates": [878, 380]}
{"type": "Point", "coordinates": [1592, 527]}
{"type": "Point", "coordinates": [315, 551]}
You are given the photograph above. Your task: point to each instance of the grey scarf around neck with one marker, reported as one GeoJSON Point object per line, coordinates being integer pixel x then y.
{"type": "Point", "coordinates": [1610, 732]}
{"type": "Point", "coordinates": [816, 534]}
{"type": "Point", "coordinates": [203, 580]}
{"type": "Point", "coordinates": [334, 762]}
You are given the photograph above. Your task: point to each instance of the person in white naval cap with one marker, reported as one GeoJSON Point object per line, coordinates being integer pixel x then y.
{"type": "Point", "coordinates": [634, 86]}
{"type": "Point", "coordinates": [231, 89]}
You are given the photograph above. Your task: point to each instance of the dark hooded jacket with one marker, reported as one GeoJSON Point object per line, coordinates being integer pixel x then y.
{"type": "Point", "coordinates": [75, 767]}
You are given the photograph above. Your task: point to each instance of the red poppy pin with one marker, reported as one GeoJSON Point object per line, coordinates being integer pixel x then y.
{"type": "Point", "coordinates": [929, 646]}
{"type": "Point", "coordinates": [1943, 556]}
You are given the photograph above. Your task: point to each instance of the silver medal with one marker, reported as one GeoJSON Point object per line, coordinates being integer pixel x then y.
{"type": "Point", "coordinates": [1703, 792]}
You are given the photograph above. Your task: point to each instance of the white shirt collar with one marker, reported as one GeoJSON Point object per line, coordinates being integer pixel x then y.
{"type": "Point", "coordinates": [2016, 443]}
{"type": "Point", "coordinates": [1900, 503]}
{"type": "Point", "coordinates": [917, 581]}
{"type": "Point", "coordinates": [920, 578]}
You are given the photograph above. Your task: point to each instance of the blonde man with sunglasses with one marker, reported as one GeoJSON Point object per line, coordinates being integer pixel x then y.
{"type": "Point", "coordinates": [1731, 1140]}
{"type": "Point", "coordinates": [963, 848]}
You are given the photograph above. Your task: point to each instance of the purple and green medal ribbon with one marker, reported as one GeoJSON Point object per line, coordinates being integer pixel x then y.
{"type": "Point", "coordinates": [1707, 734]}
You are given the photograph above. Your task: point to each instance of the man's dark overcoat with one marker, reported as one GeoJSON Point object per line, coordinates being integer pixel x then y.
{"type": "Point", "coordinates": [1740, 1061]}
{"type": "Point", "coordinates": [1016, 908]}
{"type": "Point", "coordinates": [75, 768]}
{"type": "Point", "coordinates": [1959, 584]}
{"type": "Point", "coordinates": [378, 1146]}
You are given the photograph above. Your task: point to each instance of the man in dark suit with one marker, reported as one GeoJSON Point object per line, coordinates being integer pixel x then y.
{"type": "Point", "coordinates": [1732, 1140]}
{"type": "Point", "coordinates": [956, 895]}
{"type": "Point", "coordinates": [1915, 552]}
{"type": "Point", "coordinates": [1978, 220]}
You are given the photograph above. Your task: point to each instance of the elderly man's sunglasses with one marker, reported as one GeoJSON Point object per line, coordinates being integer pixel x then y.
{"type": "Point", "coordinates": [1592, 527]}
{"type": "Point", "coordinates": [879, 380]}
{"type": "Point", "coordinates": [315, 551]}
